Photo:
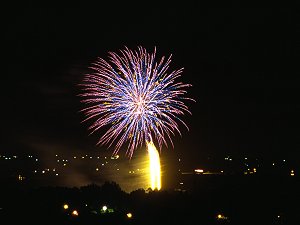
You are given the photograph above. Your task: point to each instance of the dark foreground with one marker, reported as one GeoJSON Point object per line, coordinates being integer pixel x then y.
{"type": "Point", "coordinates": [211, 200]}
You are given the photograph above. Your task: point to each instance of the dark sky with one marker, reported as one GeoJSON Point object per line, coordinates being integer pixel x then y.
{"type": "Point", "coordinates": [242, 63]}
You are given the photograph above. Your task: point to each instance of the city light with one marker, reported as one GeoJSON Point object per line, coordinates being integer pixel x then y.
{"type": "Point", "coordinates": [129, 215]}
{"type": "Point", "coordinates": [105, 209]}
{"type": "Point", "coordinates": [138, 172]}
{"type": "Point", "coordinates": [221, 217]}
{"type": "Point", "coordinates": [198, 170]}
{"type": "Point", "coordinates": [115, 157]}
{"type": "Point", "coordinates": [20, 177]}
{"type": "Point", "coordinates": [75, 213]}
{"type": "Point", "coordinates": [66, 206]}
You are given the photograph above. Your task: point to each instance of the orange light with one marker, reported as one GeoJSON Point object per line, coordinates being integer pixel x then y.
{"type": "Point", "coordinates": [129, 215]}
{"type": "Point", "coordinates": [75, 213]}
{"type": "Point", "coordinates": [66, 206]}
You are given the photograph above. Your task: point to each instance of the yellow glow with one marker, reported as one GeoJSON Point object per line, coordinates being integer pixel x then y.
{"type": "Point", "coordinates": [221, 217]}
{"type": "Point", "coordinates": [129, 215]}
{"type": "Point", "coordinates": [75, 213]}
{"type": "Point", "coordinates": [66, 206]}
{"type": "Point", "coordinates": [104, 208]}
{"type": "Point", "coordinates": [292, 173]}
{"type": "Point", "coordinates": [20, 177]}
{"type": "Point", "coordinates": [154, 167]}
{"type": "Point", "coordinates": [198, 170]}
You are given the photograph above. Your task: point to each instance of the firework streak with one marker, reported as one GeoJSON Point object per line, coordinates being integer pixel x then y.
{"type": "Point", "coordinates": [134, 99]}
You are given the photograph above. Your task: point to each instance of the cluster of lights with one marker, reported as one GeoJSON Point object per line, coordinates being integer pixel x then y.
{"type": "Point", "coordinates": [249, 171]}
{"type": "Point", "coordinates": [133, 171]}
{"type": "Point", "coordinates": [115, 157]}
{"type": "Point", "coordinates": [20, 177]}
{"type": "Point", "coordinates": [74, 212]}
{"type": "Point", "coordinates": [104, 210]}
{"type": "Point", "coordinates": [88, 157]}
{"type": "Point", "coordinates": [46, 170]}
{"type": "Point", "coordinates": [228, 158]}
{"type": "Point", "coordinates": [9, 157]}
{"type": "Point", "coordinates": [222, 217]}
{"type": "Point", "coordinates": [65, 161]}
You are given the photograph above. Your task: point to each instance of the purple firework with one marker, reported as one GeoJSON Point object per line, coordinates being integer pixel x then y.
{"type": "Point", "coordinates": [134, 99]}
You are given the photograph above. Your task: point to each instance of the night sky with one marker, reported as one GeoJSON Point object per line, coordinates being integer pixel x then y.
{"type": "Point", "coordinates": [241, 62]}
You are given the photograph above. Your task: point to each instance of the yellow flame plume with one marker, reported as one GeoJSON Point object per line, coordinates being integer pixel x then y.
{"type": "Point", "coordinates": [154, 167]}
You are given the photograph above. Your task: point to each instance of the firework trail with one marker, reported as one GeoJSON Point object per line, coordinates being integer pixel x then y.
{"type": "Point", "coordinates": [134, 99]}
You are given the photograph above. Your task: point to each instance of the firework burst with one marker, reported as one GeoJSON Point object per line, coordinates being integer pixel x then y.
{"type": "Point", "coordinates": [134, 99]}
